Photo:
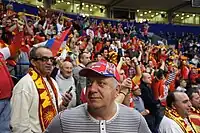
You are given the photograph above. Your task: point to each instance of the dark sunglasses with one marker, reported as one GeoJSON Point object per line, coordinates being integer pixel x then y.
{"type": "Point", "coordinates": [45, 59]}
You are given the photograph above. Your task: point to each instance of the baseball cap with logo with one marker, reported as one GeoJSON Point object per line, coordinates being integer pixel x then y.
{"type": "Point", "coordinates": [100, 69]}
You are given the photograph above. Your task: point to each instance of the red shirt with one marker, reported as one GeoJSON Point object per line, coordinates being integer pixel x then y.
{"type": "Point", "coordinates": [185, 72]}
{"type": "Point", "coordinates": [6, 83]}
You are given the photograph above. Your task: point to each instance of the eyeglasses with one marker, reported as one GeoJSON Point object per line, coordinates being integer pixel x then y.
{"type": "Point", "coordinates": [45, 59]}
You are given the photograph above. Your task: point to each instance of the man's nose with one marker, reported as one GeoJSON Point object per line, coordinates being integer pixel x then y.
{"type": "Point", "coordinates": [94, 86]}
{"type": "Point", "coordinates": [49, 61]}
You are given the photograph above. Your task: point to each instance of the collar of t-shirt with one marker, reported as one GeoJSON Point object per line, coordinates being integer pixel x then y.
{"type": "Point", "coordinates": [106, 121]}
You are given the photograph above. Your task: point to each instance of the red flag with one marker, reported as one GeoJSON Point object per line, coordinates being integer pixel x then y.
{"type": "Point", "coordinates": [17, 43]}
{"type": "Point", "coordinates": [59, 40]}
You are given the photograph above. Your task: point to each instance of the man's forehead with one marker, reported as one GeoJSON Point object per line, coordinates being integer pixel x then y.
{"type": "Point", "coordinates": [44, 52]}
{"type": "Point", "coordinates": [195, 95]}
{"type": "Point", "coordinates": [100, 78]}
{"type": "Point", "coordinates": [146, 75]}
{"type": "Point", "coordinates": [86, 54]}
{"type": "Point", "coordinates": [67, 64]}
{"type": "Point", "coordinates": [181, 96]}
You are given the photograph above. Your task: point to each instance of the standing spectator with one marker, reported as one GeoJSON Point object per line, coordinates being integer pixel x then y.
{"type": "Point", "coordinates": [194, 96]}
{"type": "Point", "coordinates": [137, 100]}
{"type": "Point", "coordinates": [36, 99]}
{"type": "Point", "coordinates": [149, 102]}
{"type": "Point", "coordinates": [65, 81]}
{"type": "Point", "coordinates": [176, 118]}
{"type": "Point", "coordinates": [105, 53]}
{"type": "Point", "coordinates": [182, 85]}
{"type": "Point", "coordinates": [2, 43]}
{"type": "Point", "coordinates": [6, 83]}
{"type": "Point", "coordinates": [80, 81]}
{"type": "Point", "coordinates": [101, 113]}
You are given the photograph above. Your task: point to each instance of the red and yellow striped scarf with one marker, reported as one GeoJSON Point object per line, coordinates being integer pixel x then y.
{"type": "Point", "coordinates": [172, 114]}
{"type": "Point", "coordinates": [195, 118]}
{"type": "Point", "coordinates": [47, 110]}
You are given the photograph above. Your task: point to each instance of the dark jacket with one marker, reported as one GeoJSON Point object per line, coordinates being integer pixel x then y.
{"type": "Point", "coordinates": [147, 96]}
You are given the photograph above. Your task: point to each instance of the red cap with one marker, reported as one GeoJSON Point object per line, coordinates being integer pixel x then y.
{"type": "Point", "coordinates": [104, 69]}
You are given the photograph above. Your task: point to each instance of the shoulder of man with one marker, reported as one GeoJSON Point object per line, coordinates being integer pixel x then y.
{"type": "Point", "coordinates": [25, 83]}
{"type": "Point", "coordinates": [73, 112]}
{"type": "Point", "coordinates": [169, 125]}
{"type": "Point", "coordinates": [76, 69]}
{"type": "Point", "coordinates": [129, 110]}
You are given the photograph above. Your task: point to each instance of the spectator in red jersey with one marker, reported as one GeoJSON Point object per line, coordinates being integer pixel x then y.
{"type": "Point", "coordinates": [194, 96]}
{"type": "Point", "coordinates": [6, 83]}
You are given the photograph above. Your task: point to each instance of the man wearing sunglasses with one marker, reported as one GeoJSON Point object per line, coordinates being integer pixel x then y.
{"type": "Point", "coordinates": [101, 113]}
{"type": "Point", "coordinates": [36, 99]}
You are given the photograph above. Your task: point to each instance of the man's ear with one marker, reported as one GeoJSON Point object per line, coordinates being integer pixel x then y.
{"type": "Point", "coordinates": [33, 63]}
{"type": "Point", "coordinates": [117, 90]}
{"type": "Point", "coordinates": [173, 106]}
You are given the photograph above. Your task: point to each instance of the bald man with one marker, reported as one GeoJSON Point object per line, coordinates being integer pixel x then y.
{"type": "Point", "coordinates": [65, 81]}
{"type": "Point", "coordinates": [176, 118]}
{"type": "Point", "coordinates": [150, 103]}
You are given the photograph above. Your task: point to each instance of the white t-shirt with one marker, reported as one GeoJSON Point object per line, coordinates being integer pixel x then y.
{"type": "Point", "coordinates": [167, 125]}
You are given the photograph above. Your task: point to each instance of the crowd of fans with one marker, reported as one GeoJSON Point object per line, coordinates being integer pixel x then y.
{"type": "Point", "coordinates": [153, 78]}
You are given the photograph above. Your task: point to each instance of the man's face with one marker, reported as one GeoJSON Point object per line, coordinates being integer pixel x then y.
{"type": "Point", "coordinates": [163, 51]}
{"type": "Point", "coordinates": [66, 69]}
{"type": "Point", "coordinates": [150, 63]}
{"type": "Point", "coordinates": [101, 92]}
{"type": "Point", "coordinates": [122, 75]}
{"type": "Point", "coordinates": [30, 23]}
{"type": "Point", "coordinates": [86, 58]}
{"type": "Point", "coordinates": [108, 43]}
{"type": "Point", "coordinates": [182, 104]}
{"type": "Point", "coordinates": [128, 61]}
{"type": "Point", "coordinates": [105, 53]}
{"type": "Point", "coordinates": [4, 21]}
{"type": "Point", "coordinates": [183, 83]}
{"type": "Point", "coordinates": [137, 91]}
{"type": "Point", "coordinates": [195, 100]}
{"type": "Point", "coordinates": [40, 27]}
{"type": "Point", "coordinates": [9, 23]}
{"type": "Point", "coordinates": [44, 62]}
{"type": "Point", "coordinates": [99, 57]}
{"type": "Point", "coordinates": [147, 78]}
